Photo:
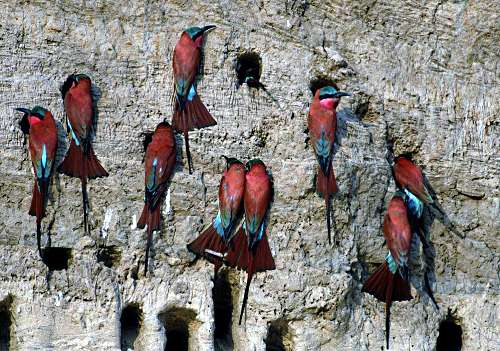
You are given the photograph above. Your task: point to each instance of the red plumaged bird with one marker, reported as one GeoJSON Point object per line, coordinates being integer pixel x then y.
{"type": "Point", "coordinates": [213, 242]}
{"type": "Point", "coordinates": [409, 176]}
{"type": "Point", "coordinates": [189, 111]}
{"type": "Point", "coordinates": [390, 282]}
{"type": "Point", "coordinates": [251, 252]}
{"type": "Point", "coordinates": [159, 166]}
{"type": "Point", "coordinates": [80, 160]}
{"type": "Point", "coordinates": [322, 124]}
{"type": "Point", "coordinates": [40, 125]}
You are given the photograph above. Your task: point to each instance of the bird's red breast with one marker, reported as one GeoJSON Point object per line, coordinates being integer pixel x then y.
{"type": "Point", "coordinates": [258, 193]}
{"type": "Point", "coordinates": [187, 55]}
{"type": "Point", "coordinates": [79, 108]}
{"type": "Point", "coordinates": [397, 230]}
{"type": "Point", "coordinates": [409, 176]}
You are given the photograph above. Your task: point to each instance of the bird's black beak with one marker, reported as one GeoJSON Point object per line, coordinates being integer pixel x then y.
{"type": "Point", "coordinates": [207, 28]}
{"type": "Point", "coordinates": [339, 94]}
{"type": "Point", "coordinates": [23, 110]}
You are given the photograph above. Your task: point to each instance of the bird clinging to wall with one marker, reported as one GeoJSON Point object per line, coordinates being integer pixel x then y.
{"type": "Point", "coordinates": [159, 165]}
{"type": "Point", "coordinates": [213, 242]}
{"type": "Point", "coordinates": [40, 125]}
{"type": "Point", "coordinates": [189, 111]}
{"type": "Point", "coordinates": [390, 282]}
{"type": "Point", "coordinates": [80, 160]}
{"type": "Point", "coordinates": [250, 249]}
{"type": "Point", "coordinates": [322, 124]}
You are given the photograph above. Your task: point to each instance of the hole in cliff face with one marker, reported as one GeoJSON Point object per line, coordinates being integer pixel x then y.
{"type": "Point", "coordinates": [321, 82]}
{"type": "Point", "coordinates": [57, 258]}
{"type": "Point", "coordinates": [178, 323]}
{"type": "Point", "coordinates": [5, 323]}
{"type": "Point", "coordinates": [450, 335]}
{"type": "Point", "coordinates": [109, 255]}
{"type": "Point", "coordinates": [223, 312]}
{"type": "Point", "coordinates": [130, 325]}
{"type": "Point", "coordinates": [249, 69]}
{"type": "Point", "coordinates": [278, 336]}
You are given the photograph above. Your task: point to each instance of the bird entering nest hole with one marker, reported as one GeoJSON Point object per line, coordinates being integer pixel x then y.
{"type": "Point", "coordinates": [249, 69]}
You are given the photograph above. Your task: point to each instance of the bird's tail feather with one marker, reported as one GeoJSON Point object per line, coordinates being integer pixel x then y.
{"type": "Point", "coordinates": [378, 283]}
{"type": "Point", "coordinates": [326, 186]}
{"type": "Point", "coordinates": [209, 240]}
{"type": "Point", "coordinates": [80, 165]}
{"type": "Point", "coordinates": [193, 115]}
{"type": "Point", "coordinates": [238, 254]}
{"type": "Point", "coordinates": [250, 273]}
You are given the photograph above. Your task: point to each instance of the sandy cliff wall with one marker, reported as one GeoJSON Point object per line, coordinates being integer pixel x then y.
{"type": "Point", "coordinates": [424, 77]}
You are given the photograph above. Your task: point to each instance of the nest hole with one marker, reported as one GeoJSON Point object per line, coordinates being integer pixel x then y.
{"type": "Point", "coordinates": [109, 256]}
{"type": "Point", "coordinates": [223, 312]}
{"type": "Point", "coordinates": [278, 336]}
{"type": "Point", "coordinates": [450, 335]}
{"type": "Point", "coordinates": [5, 323]}
{"type": "Point", "coordinates": [249, 69]}
{"type": "Point", "coordinates": [321, 82]}
{"type": "Point", "coordinates": [178, 324]}
{"type": "Point", "coordinates": [57, 258]}
{"type": "Point", "coordinates": [130, 326]}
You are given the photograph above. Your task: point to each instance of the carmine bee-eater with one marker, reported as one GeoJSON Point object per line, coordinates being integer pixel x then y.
{"type": "Point", "coordinates": [410, 182]}
{"type": "Point", "coordinates": [80, 160]}
{"type": "Point", "coordinates": [214, 241]}
{"type": "Point", "coordinates": [251, 252]}
{"type": "Point", "coordinates": [159, 165]}
{"type": "Point", "coordinates": [189, 111]}
{"type": "Point", "coordinates": [39, 124]}
{"type": "Point", "coordinates": [322, 124]}
{"type": "Point", "coordinates": [390, 282]}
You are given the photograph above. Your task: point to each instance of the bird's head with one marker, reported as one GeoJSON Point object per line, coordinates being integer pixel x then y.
{"type": "Point", "coordinates": [254, 163]}
{"type": "Point", "coordinates": [31, 117]}
{"type": "Point", "coordinates": [231, 161]}
{"type": "Point", "coordinates": [329, 97]}
{"type": "Point", "coordinates": [196, 33]}
{"type": "Point", "coordinates": [72, 81]}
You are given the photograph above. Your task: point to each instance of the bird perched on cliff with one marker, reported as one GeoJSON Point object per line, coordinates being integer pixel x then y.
{"type": "Point", "coordinates": [158, 165]}
{"type": "Point", "coordinates": [390, 282]}
{"type": "Point", "coordinates": [251, 252]}
{"type": "Point", "coordinates": [213, 243]}
{"type": "Point", "coordinates": [189, 111]}
{"type": "Point", "coordinates": [322, 124]}
{"type": "Point", "coordinates": [80, 160]}
{"type": "Point", "coordinates": [39, 124]}
{"type": "Point", "coordinates": [410, 181]}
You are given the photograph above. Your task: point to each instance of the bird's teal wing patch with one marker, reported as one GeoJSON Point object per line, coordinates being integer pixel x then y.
{"type": "Point", "coordinates": [73, 135]}
{"type": "Point", "coordinates": [192, 93]}
{"type": "Point", "coordinates": [151, 181]}
{"type": "Point", "coordinates": [415, 206]}
{"type": "Point", "coordinates": [323, 146]}
{"type": "Point", "coordinates": [218, 225]}
{"type": "Point", "coordinates": [393, 266]}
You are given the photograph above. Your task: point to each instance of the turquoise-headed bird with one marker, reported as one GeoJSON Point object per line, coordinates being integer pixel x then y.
{"type": "Point", "coordinates": [40, 125]}
{"type": "Point", "coordinates": [213, 243]}
{"type": "Point", "coordinates": [250, 249]}
{"type": "Point", "coordinates": [159, 166]}
{"type": "Point", "coordinates": [80, 160]}
{"type": "Point", "coordinates": [322, 124]}
{"type": "Point", "coordinates": [189, 111]}
{"type": "Point", "coordinates": [390, 282]}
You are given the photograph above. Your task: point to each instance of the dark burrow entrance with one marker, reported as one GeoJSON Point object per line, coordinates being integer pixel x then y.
{"type": "Point", "coordinates": [130, 325]}
{"type": "Point", "coordinates": [57, 258]}
{"type": "Point", "coordinates": [177, 323]}
{"type": "Point", "coordinates": [278, 336]}
{"type": "Point", "coordinates": [320, 82]}
{"type": "Point", "coordinates": [223, 312]}
{"type": "Point", "coordinates": [109, 255]}
{"type": "Point", "coordinates": [5, 323]}
{"type": "Point", "coordinates": [450, 334]}
{"type": "Point", "coordinates": [249, 69]}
